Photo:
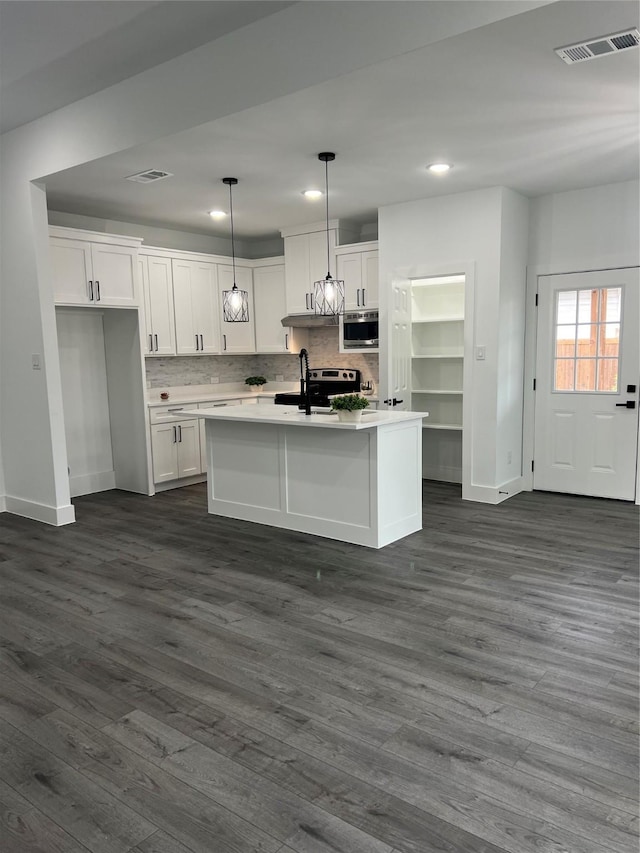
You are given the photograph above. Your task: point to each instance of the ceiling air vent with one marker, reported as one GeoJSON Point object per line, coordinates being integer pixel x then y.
{"type": "Point", "coordinates": [599, 46]}
{"type": "Point", "coordinates": [149, 175]}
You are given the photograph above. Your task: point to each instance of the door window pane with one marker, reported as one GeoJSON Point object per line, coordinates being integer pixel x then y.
{"type": "Point", "coordinates": [587, 333]}
{"type": "Point", "coordinates": [566, 341]}
{"type": "Point", "coordinates": [586, 374]}
{"type": "Point", "coordinates": [608, 374]}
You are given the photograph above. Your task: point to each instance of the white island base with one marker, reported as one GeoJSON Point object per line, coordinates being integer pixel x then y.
{"type": "Point", "coordinates": [358, 483]}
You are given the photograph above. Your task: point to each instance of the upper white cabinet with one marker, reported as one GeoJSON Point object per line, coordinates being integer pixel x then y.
{"type": "Point", "coordinates": [357, 266]}
{"type": "Point", "coordinates": [305, 261]}
{"type": "Point", "coordinates": [270, 306]}
{"type": "Point", "coordinates": [195, 299]}
{"type": "Point", "coordinates": [99, 270]}
{"type": "Point", "coordinates": [236, 337]}
{"type": "Point", "coordinates": [157, 290]}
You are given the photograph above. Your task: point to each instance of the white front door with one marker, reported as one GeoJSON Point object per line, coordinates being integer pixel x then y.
{"type": "Point", "coordinates": [587, 374]}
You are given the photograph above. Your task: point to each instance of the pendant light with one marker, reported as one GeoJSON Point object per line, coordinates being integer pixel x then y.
{"type": "Point", "coordinates": [235, 302]}
{"type": "Point", "coordinates": [329, 292]}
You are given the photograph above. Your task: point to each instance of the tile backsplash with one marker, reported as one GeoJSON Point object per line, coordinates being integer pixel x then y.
{"type": "Point", "coordinates": [198, 370]}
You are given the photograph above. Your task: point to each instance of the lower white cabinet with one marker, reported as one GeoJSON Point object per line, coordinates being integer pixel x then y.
{"type": "Point", "coordinates": [175, 447]}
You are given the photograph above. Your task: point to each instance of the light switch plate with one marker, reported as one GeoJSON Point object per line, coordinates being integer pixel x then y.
{"type": "Point", "coordinates": [481, 353]}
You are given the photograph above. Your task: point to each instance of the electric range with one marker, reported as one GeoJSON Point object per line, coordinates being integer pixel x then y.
{"type": "Point", "coordinates": [325, 383]}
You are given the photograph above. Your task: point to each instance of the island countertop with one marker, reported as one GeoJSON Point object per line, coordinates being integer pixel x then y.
{"type": "Point", "coordinates": [289, 416]}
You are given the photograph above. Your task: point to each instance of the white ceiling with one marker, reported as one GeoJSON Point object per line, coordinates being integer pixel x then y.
{"type": "Point", "coordinates": [495, 101]}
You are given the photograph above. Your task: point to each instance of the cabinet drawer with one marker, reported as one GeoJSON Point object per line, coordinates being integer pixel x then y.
{"type": "Point", "coordinates": [167, 414]}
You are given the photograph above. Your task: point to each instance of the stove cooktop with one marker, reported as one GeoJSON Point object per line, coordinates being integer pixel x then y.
{"type": "Point", "coordinates": [324, 383]}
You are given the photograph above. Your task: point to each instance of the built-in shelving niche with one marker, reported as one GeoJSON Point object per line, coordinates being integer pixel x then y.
{"type": "Point", "coordinates": [437, 368]}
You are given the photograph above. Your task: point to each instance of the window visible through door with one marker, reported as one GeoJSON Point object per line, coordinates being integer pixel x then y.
{"type": "Point", "coordinates": [587, 340]}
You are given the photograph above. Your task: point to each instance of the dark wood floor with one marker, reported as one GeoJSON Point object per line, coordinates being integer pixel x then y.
{"type": "Point", "coordinates": [174, 682]}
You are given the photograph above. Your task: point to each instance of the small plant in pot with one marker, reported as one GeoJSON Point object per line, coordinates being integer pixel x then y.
{"type": "Point", "coordinates": [349, 407]}
{"type": "Point", "coordinates": [255, 382]}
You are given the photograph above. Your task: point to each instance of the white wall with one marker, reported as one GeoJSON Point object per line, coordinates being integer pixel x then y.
{"type": "Point", "coordinates": [423, 238]}
{"type": "Point", "coordinates": [594, 226]}
{"type": "Point", "coordinates": [511, 332]}
{"type": "Point", "coordinates": [270, 58]}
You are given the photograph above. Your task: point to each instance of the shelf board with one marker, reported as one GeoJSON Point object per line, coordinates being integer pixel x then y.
{"type": "Point", "coordinates": [450, 427]}
{"type": "Point", "coordinates": [451, 356]}
{"type": "Point", "coordinates": [449, 391]}
{"type": "Point", "coordinates": [438, 320]}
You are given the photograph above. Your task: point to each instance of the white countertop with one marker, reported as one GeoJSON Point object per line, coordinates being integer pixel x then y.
{"type": "Point", "coordinates": [180, 396]}
{"type": "Point", "coordinates": [289, 416]}
{"type": "Point", "coordinates": [181, 399]}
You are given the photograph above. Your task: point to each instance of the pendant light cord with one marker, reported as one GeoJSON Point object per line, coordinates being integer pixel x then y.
{"type": "Point", "coordinates": [326, 194]}
{"type": "Point", "coordinates": [233, 250]}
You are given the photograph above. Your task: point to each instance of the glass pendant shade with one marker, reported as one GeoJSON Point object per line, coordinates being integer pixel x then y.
{"type": "Point", "coordinates": [235, 305]}
{"type": "Point", "coordinates": [329, 291]}
{"type": "Point", "coordinates": [329, 296]}
{"type": "Point", "coordinates": [235, 302]}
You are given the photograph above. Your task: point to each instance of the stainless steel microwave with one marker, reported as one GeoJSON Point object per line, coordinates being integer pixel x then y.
{"type": "Point", "coordinates": [360, 330]}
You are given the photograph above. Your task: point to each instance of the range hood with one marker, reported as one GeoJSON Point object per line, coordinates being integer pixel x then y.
{"type": "Point", "coordinates": [309, 321]}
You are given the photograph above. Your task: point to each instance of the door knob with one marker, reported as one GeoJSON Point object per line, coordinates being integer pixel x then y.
{"type": "Point", "coordinates": [630, 404]}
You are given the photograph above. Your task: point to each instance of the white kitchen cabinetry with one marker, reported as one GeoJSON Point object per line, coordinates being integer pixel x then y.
{"type": "Point", "coordinates": [236, 337]}
{"type": "Point", "coordinates": [437, 371]}
{"type": "Point", "coordinates": [305, 259]}
{"type": "Point", "coordinates": [99, 271]}
{"type": "Point", "coordinates": [195, 299]}
{"type": "Point", "coordinates": [270, 306]}
{"type": "Point", "coordinates": [157, 290]}
{"type": "Point", "coordinates": [175, 444]}
{"type": "Point", "coordinates": [210, 404]}
{"type": "Point", "coordinates": [357, 266]}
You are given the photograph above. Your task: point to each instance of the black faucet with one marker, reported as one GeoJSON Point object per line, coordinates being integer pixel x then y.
{"type": "Point", "coordinates": [305, 383]}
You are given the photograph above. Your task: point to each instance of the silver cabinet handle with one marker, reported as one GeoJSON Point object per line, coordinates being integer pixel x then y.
{"type": "Point", "coordinates": [197, 343]}
{"type": "Point", "coordinates": [286, 341]}
{"type": "Point", "coordinates": [224, 342]}
{"type": "Point", "coordinates": [363, 302]}
{"type": "Point", "coordinates": [311, 301]}
{"type": "Point", "coordinates": [179, 409]}
{"type": "Point", "coordinates": [90, 291]}
{"type": "Point", "coordinates": [217, 405]}
{"type": "Point", "coordinates": [150, 343]}
{"type": "Point", "coordinates": [98, 291]}
{"type": "Point", "coordinates": [175, 435]}
{"type": "Point", "coordinates": [201, 344]}
{"type": "Point", "coordinates": [156, 340]}
{"type": "Point", "coordinates": [306, 301]}
{"type": "Point", "coordinates": [179, 433]}
{"type": "Point", "coordinates": [358, 296]}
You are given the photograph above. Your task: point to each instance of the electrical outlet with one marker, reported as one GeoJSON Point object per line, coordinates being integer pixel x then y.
{"type": "Point", "coordinates": [35, 361]}
{"type": "Point", "coordinates": [509, 457]}
{"type": "Point", "coordinates": [279, 377]}
{"type": "Point", "coordinates": [215, 380]}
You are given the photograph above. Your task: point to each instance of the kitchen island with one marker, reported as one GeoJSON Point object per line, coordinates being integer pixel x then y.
{"type": "Point", "coordinates": [358, 483]}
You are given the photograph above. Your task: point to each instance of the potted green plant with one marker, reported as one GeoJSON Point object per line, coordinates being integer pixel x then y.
{"type": "Point", "coordinates": [255, 382]}
{"type": "Point", "coordinates": [349, 407]}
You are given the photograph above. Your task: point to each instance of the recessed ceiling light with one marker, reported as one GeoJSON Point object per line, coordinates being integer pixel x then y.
{"type": "Point", "coordinates": [439, 168]}
{"type": "Point", "coordinates": [312, 194]}
{"type": "Point", "coordinates": [217, 214]}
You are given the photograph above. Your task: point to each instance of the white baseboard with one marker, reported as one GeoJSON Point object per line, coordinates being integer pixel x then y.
{"type": "Point", "coordinates": [89, 484]}
{"type": "Point", "coordinates": [177, 484]}
{"type": "Point", "coordinates": [55, 515]}
{"type": "Point", "coordinates": [492, 494]}
{"type": "Point", "coordinates": [442, 473]}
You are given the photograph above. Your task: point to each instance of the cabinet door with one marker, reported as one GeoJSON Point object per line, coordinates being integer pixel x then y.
{"type": "Point", "coordinates": [318, 255]}
{"type": "Point", "coordinates": [349, 269]}
{"type": "Point", "coordinates": [270, 307]}
{"type": "Point", "coordinates": [205, 306]}
{"type": "Point", "coordinates": [158, 287]}
{"type": "Point", "coordinates": [236, 337]}
{"type": "Point", "coordinates": [164, 452]}
{"type": "Point", "coordinates": [195, 304]}
{"type": "Point", "coordinates": [369, 295]}
{"type": "Point", "coordinates": [71, 270]}
{"type": "Point", "coordinates": [297, 275]}
{"type": "Point", "coordinates": [189, 462]}
{"type": "Point", "coordinates": [147, 336]}
{"type": "Point", "coordinates": [115, 275]}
